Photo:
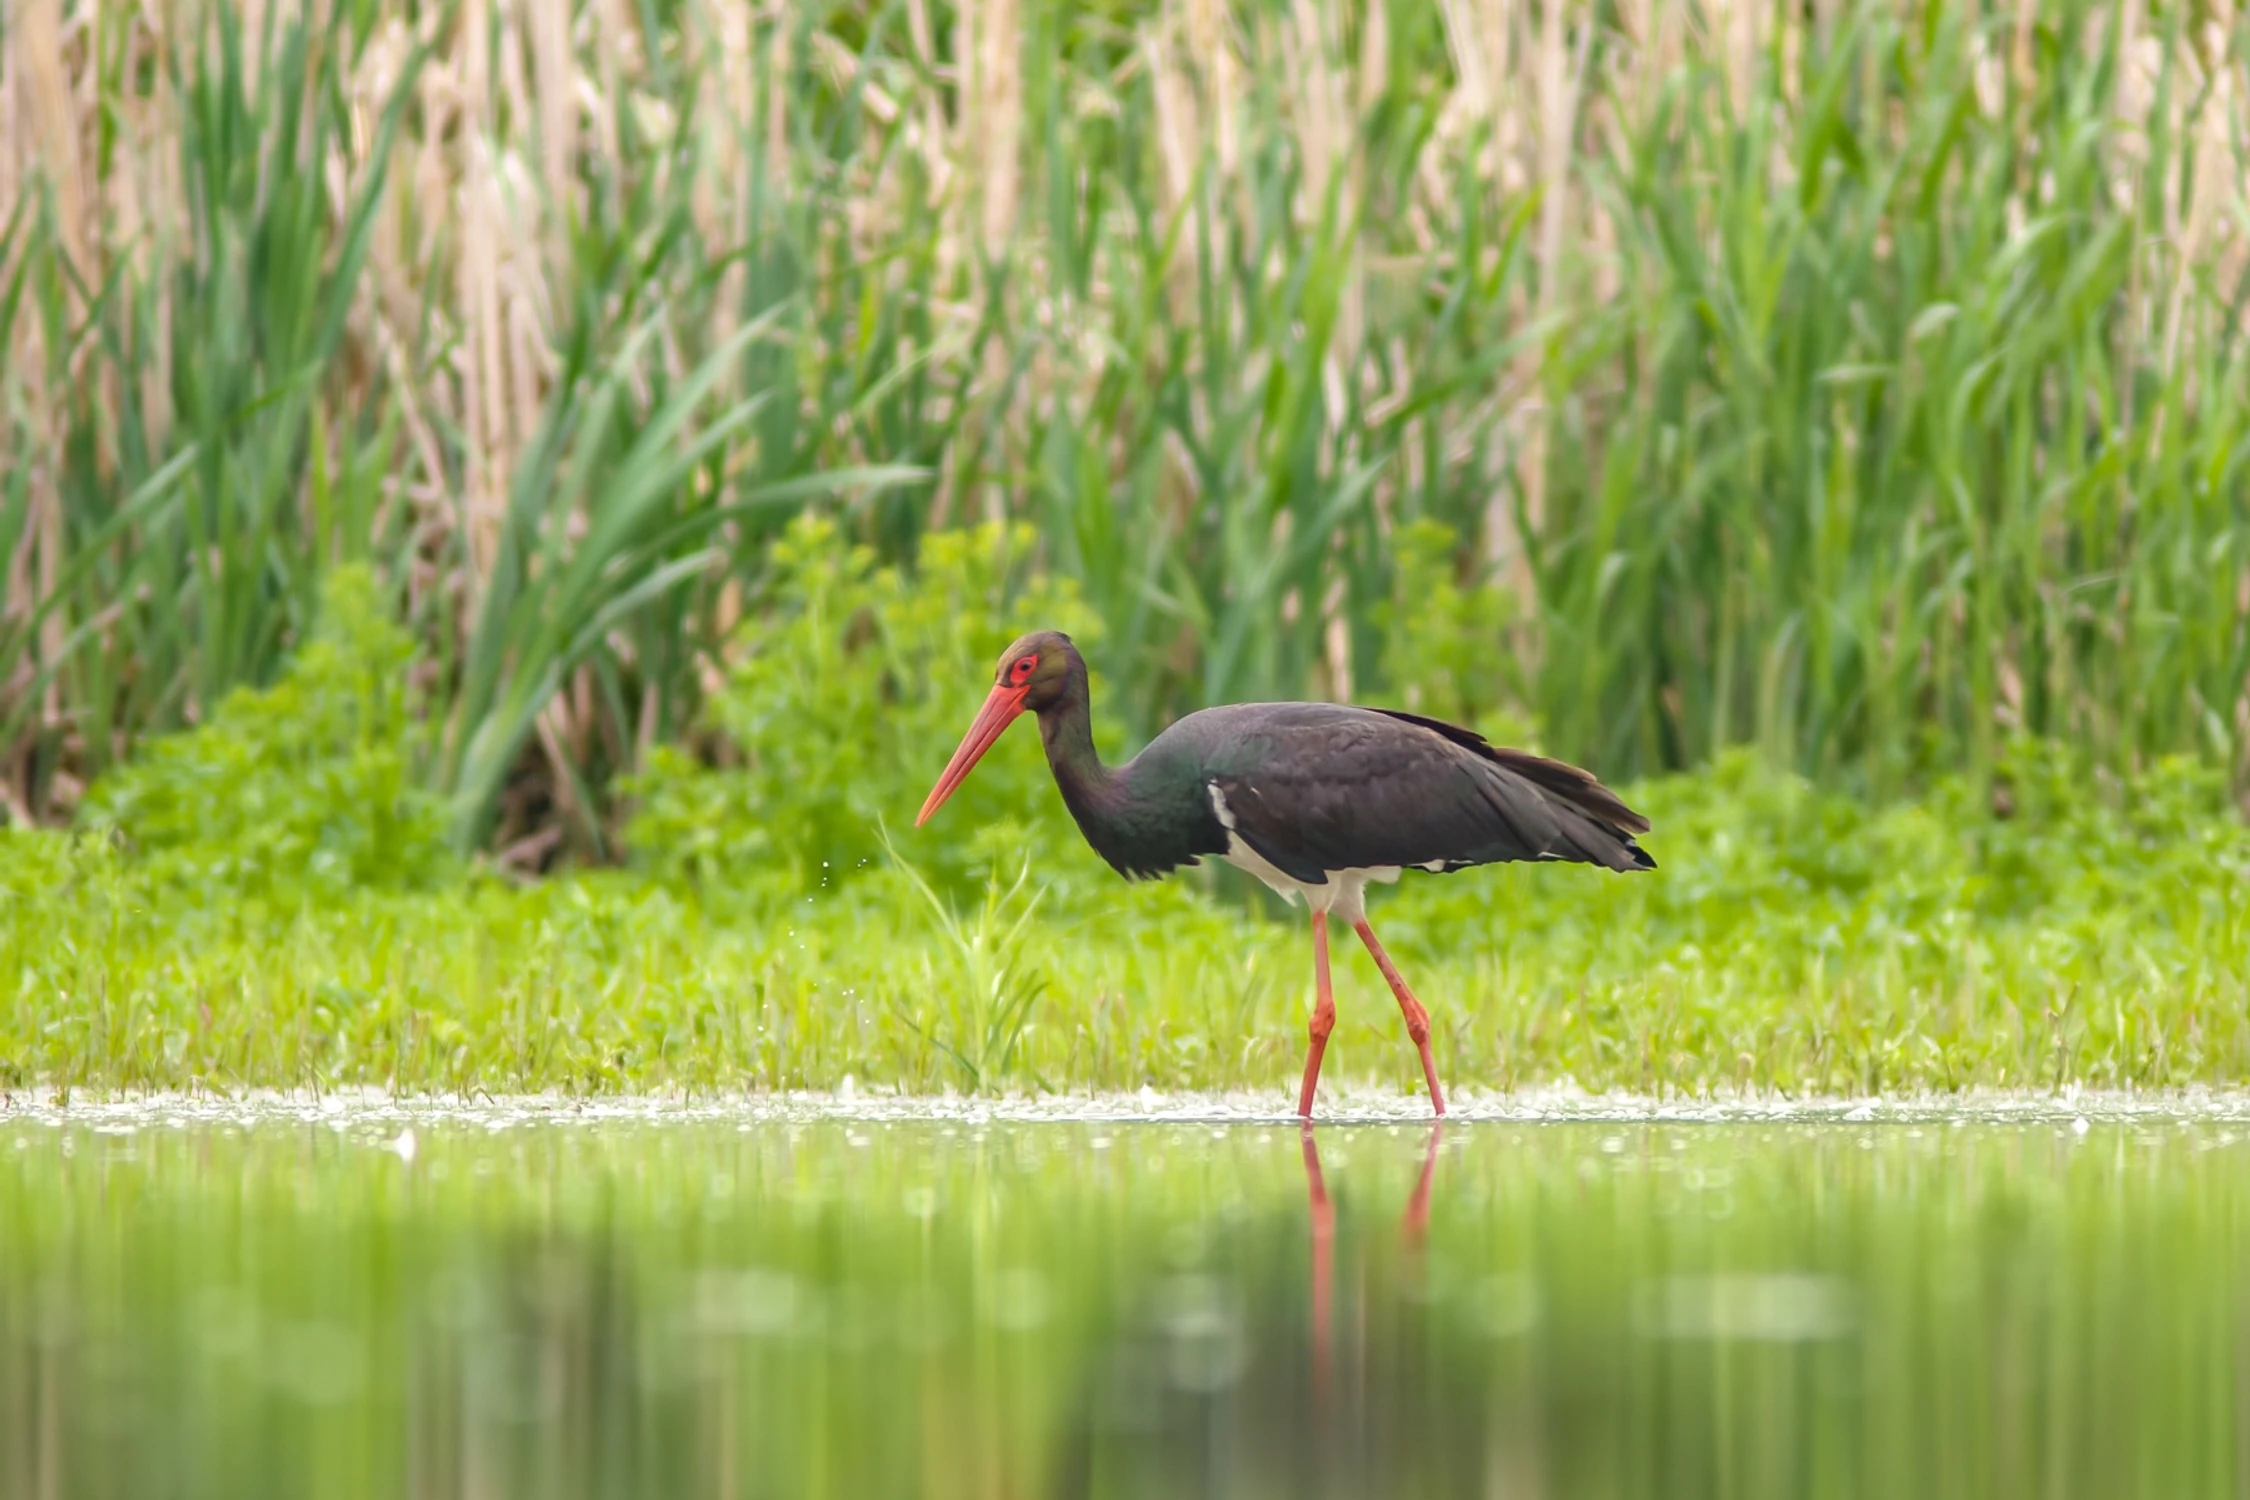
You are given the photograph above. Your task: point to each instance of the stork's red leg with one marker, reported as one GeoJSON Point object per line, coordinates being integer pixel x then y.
{"type": "Point", "coordinates": [1323, 1015]}
{"type": "Point", "coordinates": [1417, 1019]}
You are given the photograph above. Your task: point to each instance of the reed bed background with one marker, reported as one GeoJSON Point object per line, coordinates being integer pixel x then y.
{"type": "Point", "coordinates": [1862, 382]}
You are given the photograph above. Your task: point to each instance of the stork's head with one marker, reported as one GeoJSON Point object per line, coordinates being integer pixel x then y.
{"type": "Point", "coordinates": [1034, 674]}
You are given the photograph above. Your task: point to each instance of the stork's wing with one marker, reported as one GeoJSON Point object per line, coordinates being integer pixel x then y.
{"type": "Point", "coordinates": [1336, 788]}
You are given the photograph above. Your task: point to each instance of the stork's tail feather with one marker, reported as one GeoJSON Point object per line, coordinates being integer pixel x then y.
{"type": "Point", "coordinates": [1598, 824]}
{"type": "Point", "coordinates": [1574, 786]}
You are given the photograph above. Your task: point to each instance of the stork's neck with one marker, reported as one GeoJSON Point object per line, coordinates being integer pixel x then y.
{"type": "Point", "coordinates": [1089, 788]}
{"type": "Point", "coordinates": [1143, 817]}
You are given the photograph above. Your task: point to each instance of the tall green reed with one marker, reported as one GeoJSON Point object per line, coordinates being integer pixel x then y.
{"type": "Point", "coordinates": [191, 518]}
{"type": "Point", "coordinates": [1927, 441]}
{"type": "Point", "coordinates": [1865, 386]}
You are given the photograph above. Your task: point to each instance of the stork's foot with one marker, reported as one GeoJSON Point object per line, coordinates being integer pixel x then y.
{"type": "Point", "coordinates": [1417, 1018]}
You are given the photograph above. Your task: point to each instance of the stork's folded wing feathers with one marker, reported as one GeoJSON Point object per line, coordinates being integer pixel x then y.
{"type": "Point", "coordinates": [1347, 788]}
{"type": "Point", "coordinates": [1558, 778]}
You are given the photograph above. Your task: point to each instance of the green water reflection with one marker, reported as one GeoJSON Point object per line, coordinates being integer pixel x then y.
{"type": "Point", "coordinates": [945, 1309]}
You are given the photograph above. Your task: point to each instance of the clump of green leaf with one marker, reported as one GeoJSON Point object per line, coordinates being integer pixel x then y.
{"type": "Point", "coordinates": [842, 700]}
{"type": "Point", "coordinates": [306, 789]}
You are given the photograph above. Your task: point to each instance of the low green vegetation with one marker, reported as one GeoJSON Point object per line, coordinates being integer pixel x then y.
{"type": "Point", "coordinates": [272, 900]}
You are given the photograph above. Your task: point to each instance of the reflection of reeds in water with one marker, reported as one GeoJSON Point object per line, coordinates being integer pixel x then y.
{"type": "Point", "coordinates": [1811, 409]}
{"type": "Point", "coordinates": [963, 1308]}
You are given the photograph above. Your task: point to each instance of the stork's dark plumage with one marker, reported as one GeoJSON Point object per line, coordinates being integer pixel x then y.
{"type": "Point", "coordinates": [1315, 799]}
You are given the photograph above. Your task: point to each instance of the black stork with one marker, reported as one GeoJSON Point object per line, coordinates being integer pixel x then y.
{"type": "Point", "coordinates": [1315, 799]}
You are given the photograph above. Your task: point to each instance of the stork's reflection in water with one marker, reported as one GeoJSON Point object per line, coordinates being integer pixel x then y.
{"type": "Point", "coordinates": [1300, 1358]}
{"type": "Point", "coordinates": [1413, 1226]}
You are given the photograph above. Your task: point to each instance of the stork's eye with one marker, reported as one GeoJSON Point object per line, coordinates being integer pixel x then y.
{"type": "Point", "coordinates": [1021, 671]}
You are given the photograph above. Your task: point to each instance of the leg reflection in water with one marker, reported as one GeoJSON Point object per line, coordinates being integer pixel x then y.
{"type": "Point", "coordinates": [1321, 1210]}
{"type": "Point", "coordinates": [1265, 1365]}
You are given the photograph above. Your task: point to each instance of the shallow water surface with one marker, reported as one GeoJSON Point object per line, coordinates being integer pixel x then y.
{"type": "Point", "coordinates": [350, 1304]}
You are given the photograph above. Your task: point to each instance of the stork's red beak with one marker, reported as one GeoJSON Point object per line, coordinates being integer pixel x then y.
{"type": "Point", "coordinates": [999, 711]}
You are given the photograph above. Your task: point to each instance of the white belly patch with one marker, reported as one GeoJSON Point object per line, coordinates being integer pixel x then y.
{"type": "Point", "coordinates": [1342, 895]}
